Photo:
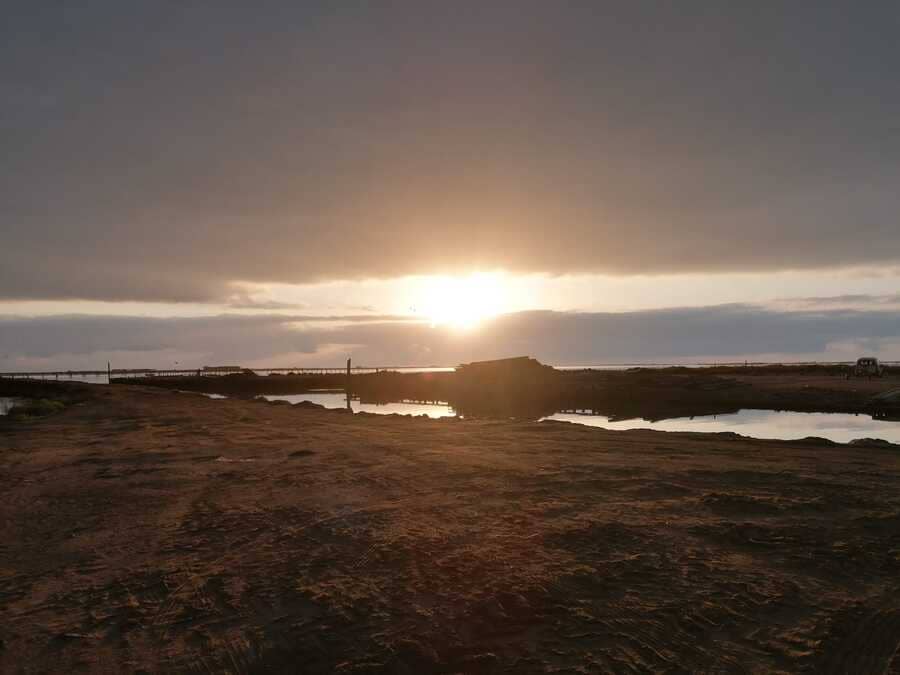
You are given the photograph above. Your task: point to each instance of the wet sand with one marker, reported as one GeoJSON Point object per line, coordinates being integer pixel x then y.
{"type": "Point", "coordinates": [143, 529]}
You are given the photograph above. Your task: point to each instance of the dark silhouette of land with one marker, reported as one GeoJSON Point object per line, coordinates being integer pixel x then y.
{"type": "Point", "coordinates": [526, 389]}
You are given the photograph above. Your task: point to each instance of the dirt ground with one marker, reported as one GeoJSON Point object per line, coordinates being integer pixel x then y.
{"type": "Point", "coordinates": [684, 392]}
{"type": "Point", "coordinates": [861, 386]}
{"type": "Point", "coordinates": [146, 530]}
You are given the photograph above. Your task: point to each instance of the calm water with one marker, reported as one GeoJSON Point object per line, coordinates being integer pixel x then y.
{"type": "Point", "coordinates": [755, 423]}
{"type": "Point", "coordinates": [840, 428]}
{"type": "Point", "coordinates": [760, 424]}
{"type": "Point", "coordinates": [339, 400]}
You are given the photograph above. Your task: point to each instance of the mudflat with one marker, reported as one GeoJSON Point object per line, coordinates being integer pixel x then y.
{"type": "Point", "coordinates": [143, 529]}
{"type": "Point", "coordinates": [653, 393]}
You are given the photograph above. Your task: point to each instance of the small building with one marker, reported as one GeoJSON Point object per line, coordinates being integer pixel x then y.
{"type": "Point", "coordinates": [514, 387]}
{"type": "Point", "coordinates": [517, 366]}
{"type": "Point", "coordinates": [521, 375]}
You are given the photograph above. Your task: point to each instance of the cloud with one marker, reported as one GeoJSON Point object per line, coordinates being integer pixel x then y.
{"type": "Point", "coordinates": [728, 332]}
{"type": "Point", "coordinates": [859, 298]}
{"type": "Point", "coordinates": [246, 301]}
{"type": "Point", "coordinates": [857, 301]}
{"type": "Point", "coordinates": [187, 147]}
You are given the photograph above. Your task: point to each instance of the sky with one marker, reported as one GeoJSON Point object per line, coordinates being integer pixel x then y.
{"type": "Point", "coordinates": [419, 182]}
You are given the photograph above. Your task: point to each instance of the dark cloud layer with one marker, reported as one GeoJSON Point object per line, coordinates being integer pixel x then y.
{"type": "Point", "coordinates": [563, 338]}
{"type": "Point", "coordinates": [846, 300]}
{"type": "Point", "coordinates": [160, 150]}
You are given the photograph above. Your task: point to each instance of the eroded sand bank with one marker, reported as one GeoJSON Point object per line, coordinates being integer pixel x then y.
{"type": "Point", "coordinates": [146, 529]}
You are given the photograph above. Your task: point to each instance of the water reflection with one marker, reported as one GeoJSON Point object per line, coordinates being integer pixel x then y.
{"type": "Point", "coordinates": [837, 427]}
{"type": "Point", "coordinates": [339, 400]}
{"type": "Point", "coordinates": [784, 425]}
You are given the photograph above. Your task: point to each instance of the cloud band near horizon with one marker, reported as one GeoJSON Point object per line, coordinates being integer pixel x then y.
{"type": "Point", "coordinates": [728, 332]}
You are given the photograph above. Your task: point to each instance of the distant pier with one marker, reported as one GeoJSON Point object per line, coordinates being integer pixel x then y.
{"type": "Point", "coordinates": [204, 372]}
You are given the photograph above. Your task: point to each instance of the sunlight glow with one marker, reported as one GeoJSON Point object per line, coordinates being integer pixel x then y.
{"type": "Point", "coordinates": [462, 303]}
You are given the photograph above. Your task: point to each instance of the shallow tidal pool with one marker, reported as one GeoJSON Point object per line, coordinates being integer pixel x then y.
{"type": "Point", "coordinates": [775, 424]}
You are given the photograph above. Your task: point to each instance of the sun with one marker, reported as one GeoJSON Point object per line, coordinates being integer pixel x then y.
{"type": "Point", "coordinates": [462, 303]}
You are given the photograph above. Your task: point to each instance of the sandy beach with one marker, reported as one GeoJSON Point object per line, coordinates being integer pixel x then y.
{"type": "Point", "coordinates": [147, 530]}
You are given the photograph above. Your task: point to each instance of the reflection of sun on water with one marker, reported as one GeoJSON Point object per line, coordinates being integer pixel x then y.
{"type": "Point", "coordinates": [462, 302]}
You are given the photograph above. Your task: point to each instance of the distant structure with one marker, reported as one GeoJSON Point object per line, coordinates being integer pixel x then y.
{"type": "Point", "coordinates": [502, 369]}
{"type": "Point", "coordinates": [506, 387]}
{"type": "Point", "coordinates": [517, 376]}
{"type": "Point", "coordinates": [219, 370]}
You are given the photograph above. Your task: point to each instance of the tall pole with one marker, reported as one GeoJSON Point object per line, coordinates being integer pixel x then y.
{"type": "Point", "coordinates": [108, 373]}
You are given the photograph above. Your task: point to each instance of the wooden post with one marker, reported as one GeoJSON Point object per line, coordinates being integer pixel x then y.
{"type": "Point", "coordinates": [347, 385]}
{"type": "Point", "coordinates": [108, 373]}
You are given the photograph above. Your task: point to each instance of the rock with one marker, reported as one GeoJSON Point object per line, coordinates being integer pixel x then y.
{"type": "Point", "coordinates": [414, 657]}
{"type": "Point", "coordinates": [871, 443]}
{"type": "Point", "coordinates": [487, 662]}
{"type": "Point", "coordinates": [309, 405]}
{"type": "Point", "coordinates": [892, 396]}
{"type": "Point", "coordinates": [816, 440]}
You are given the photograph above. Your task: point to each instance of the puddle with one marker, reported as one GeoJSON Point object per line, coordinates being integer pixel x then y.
{"type": "Point", "coordinates": [784, 425]}
{"type": "Point", "coordinates": [6, 404]}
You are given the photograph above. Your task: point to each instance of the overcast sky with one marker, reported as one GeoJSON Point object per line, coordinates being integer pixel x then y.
{"type": "Point", "coordinates": [193, 159]}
